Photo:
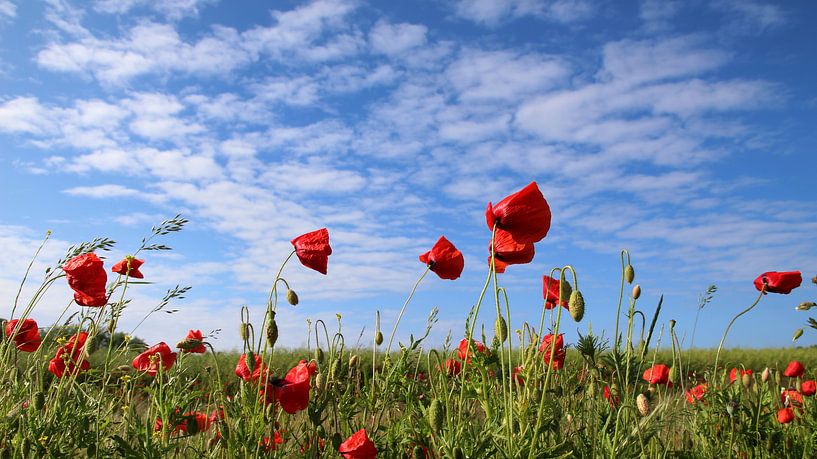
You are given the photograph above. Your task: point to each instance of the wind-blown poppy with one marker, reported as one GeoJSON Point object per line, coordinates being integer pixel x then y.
{"type": "Point", "coordinates": [657, 374]}
{"type": "Point", "coordinates": [193, 343]}
{"type": "Point", "coordinates": [550, 292]}
{"type": "Point", "coordinates": [464, 354]}
{"type": "Point", "coordinates": [779, 282]}
{"type": "Point", "coordinates": [87, 277]}
{"type": "Point", "coordinates": [508, 251]}
{"type": "Point", "coordinates": [795, 369]}
{"type": "Point", "coordinates": [444, 259]}
{"type": "Point", "coordinates": [122, 267]}
{"type": "Point", "coordinates": [293, 391]}
{"type": "Point", "coordinates": [149, 361]}
{"type": "Point", "coordinates": [696, 394]}
{"type": "Point", "coordinates": [525, 214]}
{"type": "Point", "coordinates": [243, 371]}
{"type": "Point", "coordinates": [313, 249]}
{"type": "Point", "coordinates": [733, 375]}
{"type": "Point", "coordinates": [358, 446]}
{"type": "Point", "coordinates": [27, 338]}
{"type": "Point", "coordinates": [559, 353]}
{"type": "Point", "coordinates": [69, 358]}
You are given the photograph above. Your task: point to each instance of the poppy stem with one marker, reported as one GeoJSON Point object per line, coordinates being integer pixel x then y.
{"type": "Point", "coordinates": [403, 309]}
{"type": "Point", "coordinates": [720, 346]}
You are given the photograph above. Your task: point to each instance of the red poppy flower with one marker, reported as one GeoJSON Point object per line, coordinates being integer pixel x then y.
{"type": "Point", "coordinates": [452, 367]}
{"type": "Point", "coordinates": [785, 415]}
{"type": "Point", "coordinates": [198, 336]}
{"type": "Point", "coordinates": [293, 391]}
{"type": "Point", "coordinates": [508, 251]}
{"type": "Point", "coordinates": [269, 444]}
{"type": "Point", "coordinates": [696, 394]}
{"type": "Point", "coordinates": [69, 357]}
{"type": "Point", "coordinates": [358, 446]}
{"type": "Point", "coordinates": [517, 376]}
{"type": "Point", "coordinates": [150, 360]}
{"type": "Point", "coordinates": [313, 249]}
{"type": "Point", "coordinates": [242, 370]}
{"type": "Point", "coordinates": [794, 370]}
{"type": "Point", "coordinates": [559, 353]}
{"type": "Point", "coordinates": [657, 374]}
{"type": "Point", "coordinates": [791, 397]}
{"type": "Point", "coordinates": [27, 338]}
{"type": "Point", "coordinates": [808, 388]}
{"type": "Point", "coordinates": [87, 277]}
{"type": "Point", "coordinates": [462, 349]}
{"type": "Point", "coordinates": [613, 399]}
{"type": "Point", "coordinates": [122, 267]}
{"type": "Point", "coordinates": [776, 282]}
{"type": "Point", "coordinates": [550, 292]}
{"type": "Point", "coordinates": [733, 375]}
{"type": "Point", "coordinates": [525, 214]}
{"type": "Point", "coordinates": [444, 259]}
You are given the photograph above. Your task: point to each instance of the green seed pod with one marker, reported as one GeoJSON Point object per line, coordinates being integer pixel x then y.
{"type": "Point", "coordinates": [636, 291]}
{"type": "Point", "coordinates": [244, 332]}
{"type": "Point", "coordinates": [319, 355]}
{"type": "Point", "coordinates": [629, 273]}
{"type": "Point", "coordinates": [576, 306]}
{"type": "Point", "coordinates": [797, 334]}
{"type": "Point", "coordinates": [272, 330]}
{"type": "Point", "coordinates": [353, 361]}
{"type": "Point", "coordinates": [435, 416]}
{"type": "Point", "coordinates": [378, 338]}
{"type": "Point", "coordinates": [292, 297]}
{"type": "Point", "coordinates": [643, 404]}
{"type": "Point", "coordinates": [501, 328]}
{"type": "Point", "coordinates": [39, 400]}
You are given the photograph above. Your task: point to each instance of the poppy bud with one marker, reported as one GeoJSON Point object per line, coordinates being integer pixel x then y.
{"type": "Point", "coordinates": [272, 330]}
{"type": "Point", "coordinates": [730, 408]}
{"type": "Point", "coordinates": [336, 365]}
{"type": "Point", "coordinates": [576, 305]}
{"type": "Point", "coordinates": [673, 374]}
{"type": "Point", "coordinates": [244, 332]}
{"type": "Point", "coordinates": [643, 404]}
{"type": "Point", "coordinates": [629, 273]}
{"type": "Point", "coordinates": [319, 355]}
{"type": "Point", "coordinates": [111, 326]}
{"type": "Point", "coordinates": [435, 416]}
{"type": "Point", "coordinates": [765, 375]}
{"type": "Point", "coordinates": [353, 361]}
{"type": "Point", "coordinates": [565, 290]}
{"type": "Point", "coordinates": [189, 344]}
{"type": "Point", "coordinates": [672, 324]}
{"type": "Point", "coordinates": [747, 380]}
{"type": "Point", "coordinates": [805, 306]}
{"type": "Point", "coordinates": [39, 400]}
{"type": "Point", "coordinates": [292, 297]}
{"type": "Point", "coordinates": [336, 440]}
{"type": "Point", "coordinates": [636, 291]}
{"type": "Point", "coordinates": [378, 338]}
{"type": "Point", "coordinates": [250, 361]}
{"type": "Point", "coordinates": [320, 382]}
{"type": "Point", "coordinates": [814, 280]}
{"type": "Point", "coordinates": [797, 334]}
{"type": "Point", "coordinates": [591, 390]}
{"type": "Point", "coordinates": [569, 418]}
{"type": "Point", "coordinates": [501, 328]}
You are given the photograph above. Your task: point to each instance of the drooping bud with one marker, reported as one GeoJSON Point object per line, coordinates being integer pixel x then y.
{"type": "Point", "coordinates": [565, 289]}
{"type": "Point", "coordinates": [643, 404]}
{"type": "Point", "coordinates": [336, 365]}
{"type": "Point", "coordinates": [805, 306]}
{"type": "Point", "coordinates": [629, 273]}
{"type": "Point", "coordinates": [765, 375]}
{"type": "Point", "coordinates": [797, 334]}
{"type": "Point", "coordinates": [39, 400]}
{"type": "Point", "coordinates": [320, 382]}
{"type": "Point", "coordinates": [188, 344]}
{"type": "Point", "coordinates": [292, 297]}
{"type": "Point", "coordinates": [319, 355]}
{"type": "Point", "coordinates": [244, 331]}
{"type": "Point", "coordinates": [501, 328]}
{"type": "Point", "coordinates": [353, 361]}
{"type": "Point", "coordinates": [435, 416]}
{"type": "Point", "coordinates": [378, 338]}
{"type": "Point", "coordinates": [636, 291]}
{"type": "Point", "coordinates": [272, 330]}
{"type": "Point", "coordinates": [747, 380]}
{"type": "Point", "coordinates": [576, 305]}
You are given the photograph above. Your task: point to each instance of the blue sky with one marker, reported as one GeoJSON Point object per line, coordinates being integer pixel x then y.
{"type": "Point", "coordinates": [682, 131]}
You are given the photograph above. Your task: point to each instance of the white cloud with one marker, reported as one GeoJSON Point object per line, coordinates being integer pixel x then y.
{"type": "Point", "coordinates": [112, 191]}
{"type": "Point", "coordinates": [8, 9]}
{"type": "Point", "coordinates": [172, 9]}
{"type": "Point", "coordinates": [657, 14]}
{"type": "Point", "coordinates": [493, 12]}
{"type": "Point", "coordinates": [395, 39]}
{"type": "Point", "coordinates": [752, 16]}
{"type": "Point", "coordinates": [24, 115]}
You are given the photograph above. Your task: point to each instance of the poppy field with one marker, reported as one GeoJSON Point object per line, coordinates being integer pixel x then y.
{"type": "Point", "coordinates": [81, 387]}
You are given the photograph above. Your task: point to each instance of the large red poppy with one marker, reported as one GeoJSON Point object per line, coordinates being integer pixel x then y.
{"type": "Point", "coordinates": [795, 369]}
{"type": "Point", "coordinates": [779, 282]}
{"type": "Point", "coordinates": [785, 415]}
{"type": "Point", "coordinates": [657, 374]}
{"type": "Point", "coordinates": [464, 354]}
{"type": "Point", "coordinates": [525, 214]}
{"type": "Point", "coordinates": [444, 259]}
{"type": "Point", "coordinates": [508, 251]}
{"type": "Point", "coordinates": [243, 371]}
{"type": "Point", "coordinates": [27, 338]}
{"type": "Point", "coordinates": [149, 361]}
{"type": "Point", "coordinates": [122, 267]}
{"type": "Point", "coordinates": [358, 446]}
{"type": "Point", "coordinates": [69, 358]}
{"type": "Point", "coordinates": [87, 277]}
{"type": "Point", "coordinates": [550, 291]}
{"type": "Point", "coordinates": [559, 353]}
{"type": "Point", "coordinates": [293, 391]}
{"type": "Point", "coordinates": [313, 249]}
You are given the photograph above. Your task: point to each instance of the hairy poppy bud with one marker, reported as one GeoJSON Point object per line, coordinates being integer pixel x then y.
{"type": "Point", "coordinates": [805, 306]}
{"type": "Point", "coordinates": [636, 291]}
{"type": "Point", "coordinates": [673, 374]}
{"type": "Point", "coordinates": [188, 344]}
{"type": "Point", "coordinates": [747, 380]}
{"type": "Point", "coordinates": [435, 416]}
{"type": "Point", "coordinates": [292, 297]}
{"type": "Point", "coordinates": [643, 404]}
{"type": "Point", "coordinates": [565, 290]}
{"type": "Point", "coordinates": [765, 375]}
{"type": "Point", "coordinates": [629, 273]}
{"type": "Point", "coordinates": [501, 328]}
{"type": "Point", "coordinates": [250, 361]}
{"type": "Point", "coordinates": [336, 366]}
{"type": "Point", "coordinates": [319, 355]}
{"type": "Point", "coordinates": [353, 361]}
{"type": "Point", "coordinates": [39, 400]}
{"type": "Point", "coordinates": [378, 338]}
{"type": "Point", "coordinates": [244, 332]}
{"type": "Point", "coordinates": [320, 382]}
{"type": "Point", "coordinates": [576, 305]}
{"type": "Point", "coordinates": [272, 330]}
{"type": "Point", "coordinates": [797, 334]}
{"type": "Point", "coordinates": [569, 418]}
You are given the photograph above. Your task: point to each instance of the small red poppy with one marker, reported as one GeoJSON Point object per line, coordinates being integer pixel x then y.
{"type": "Point", "coordinates": [27, 338]}
{"type": "Point", "coordinates": [462, 349]}
{"type": "Point", "coordinates": [198, 336]}
{"type": "Point", "coordinates": [150, 360]}
{"type": "Point", "coordinates": [525, 214]}
{"type": "Point", "coordinates": [779, 282]}
{"type": "Point", "coordinates": [122, 267]}
{"type": "Point", "coordinates": [358, 446]}
{"type": "Point", "coordinates": [87, 277]}
{"type": "Point", "coordinates": [791, 397]}
{"type": "Point", "coordinates": [269, 444]}
{"type": "Point", "coordinates": [508, 251]}
{"type": "Point", "coordinates": [794, 370]}
{"type": "Point", "coordinates": [808, 388]}
{"type": "Point", "coordinates": [444, 259]}
{"type": "Point", "coordinates": [517, 376]}
{"type": "Point", "coordinates": [559, 353]}
{"type": "Point", "coordinates": [452, 367]}
{"type": "Point", "coordinates": [657, 374]}
{"type": "Point", "coordinates": [313, 249]}
{"type": "Point", "coordinates": [696, 394]}
{"type": "Point", "coordinates": [243, 371]}
{"type": "Point", "coordinates": [550, 292]}
{"type": "Point", "coordinates": [613, 399]}
{"type": "Point", "coordinates": [785, 415]}
{"type": "Point", "coordinates": [733, 375]}
{"type": "Point", "coordinates": [69, 357]}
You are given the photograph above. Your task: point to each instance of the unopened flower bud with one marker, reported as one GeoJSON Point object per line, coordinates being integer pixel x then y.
{"type": "Point", "coordinates": [747, 380]}
{"type": "Point", "coordinates": [39, 400]}
{"type": "Point", "coordinates": [320, 382]}
{"type": "Point", "coordinates": [636, 291]}
{"type": "Point", "coordinates": [805, 306]}
{"type": "Point", "coordinates": [319, 355]}
{"type": "Point", "coordinates": [671, 324]}
{"type": "Point", "coordinates": [272, 330]}
{"type": "Point", "coordinates": [565, 290]}
{"type": "Point", "coordinates": [436, 416]}
{"type": "Point", "coordinates": [797, 334]}
{"type": "Point", "coordinates": [576, 305]}
{"type": "Point", "coordinates": [378, 338]}
{"type": "Point", "coordinates": [188, 344]}
{"type": "Point", "coordinates": [501, 328]}
{"type": "Point", "coordinates": [673, 374]}
{"type": "Point", "coordinates": [244, 332]}
{"type": "Point", "coordinates": [353, 361]}
{"type": "Point", "coordinates": [629, 273]}
{"type": "Point", "coordinates": [765, 375]}
{"type": "Point", "coordinates": [643, 404]}
{"type": "Point", "coordinates": [292, 297]}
